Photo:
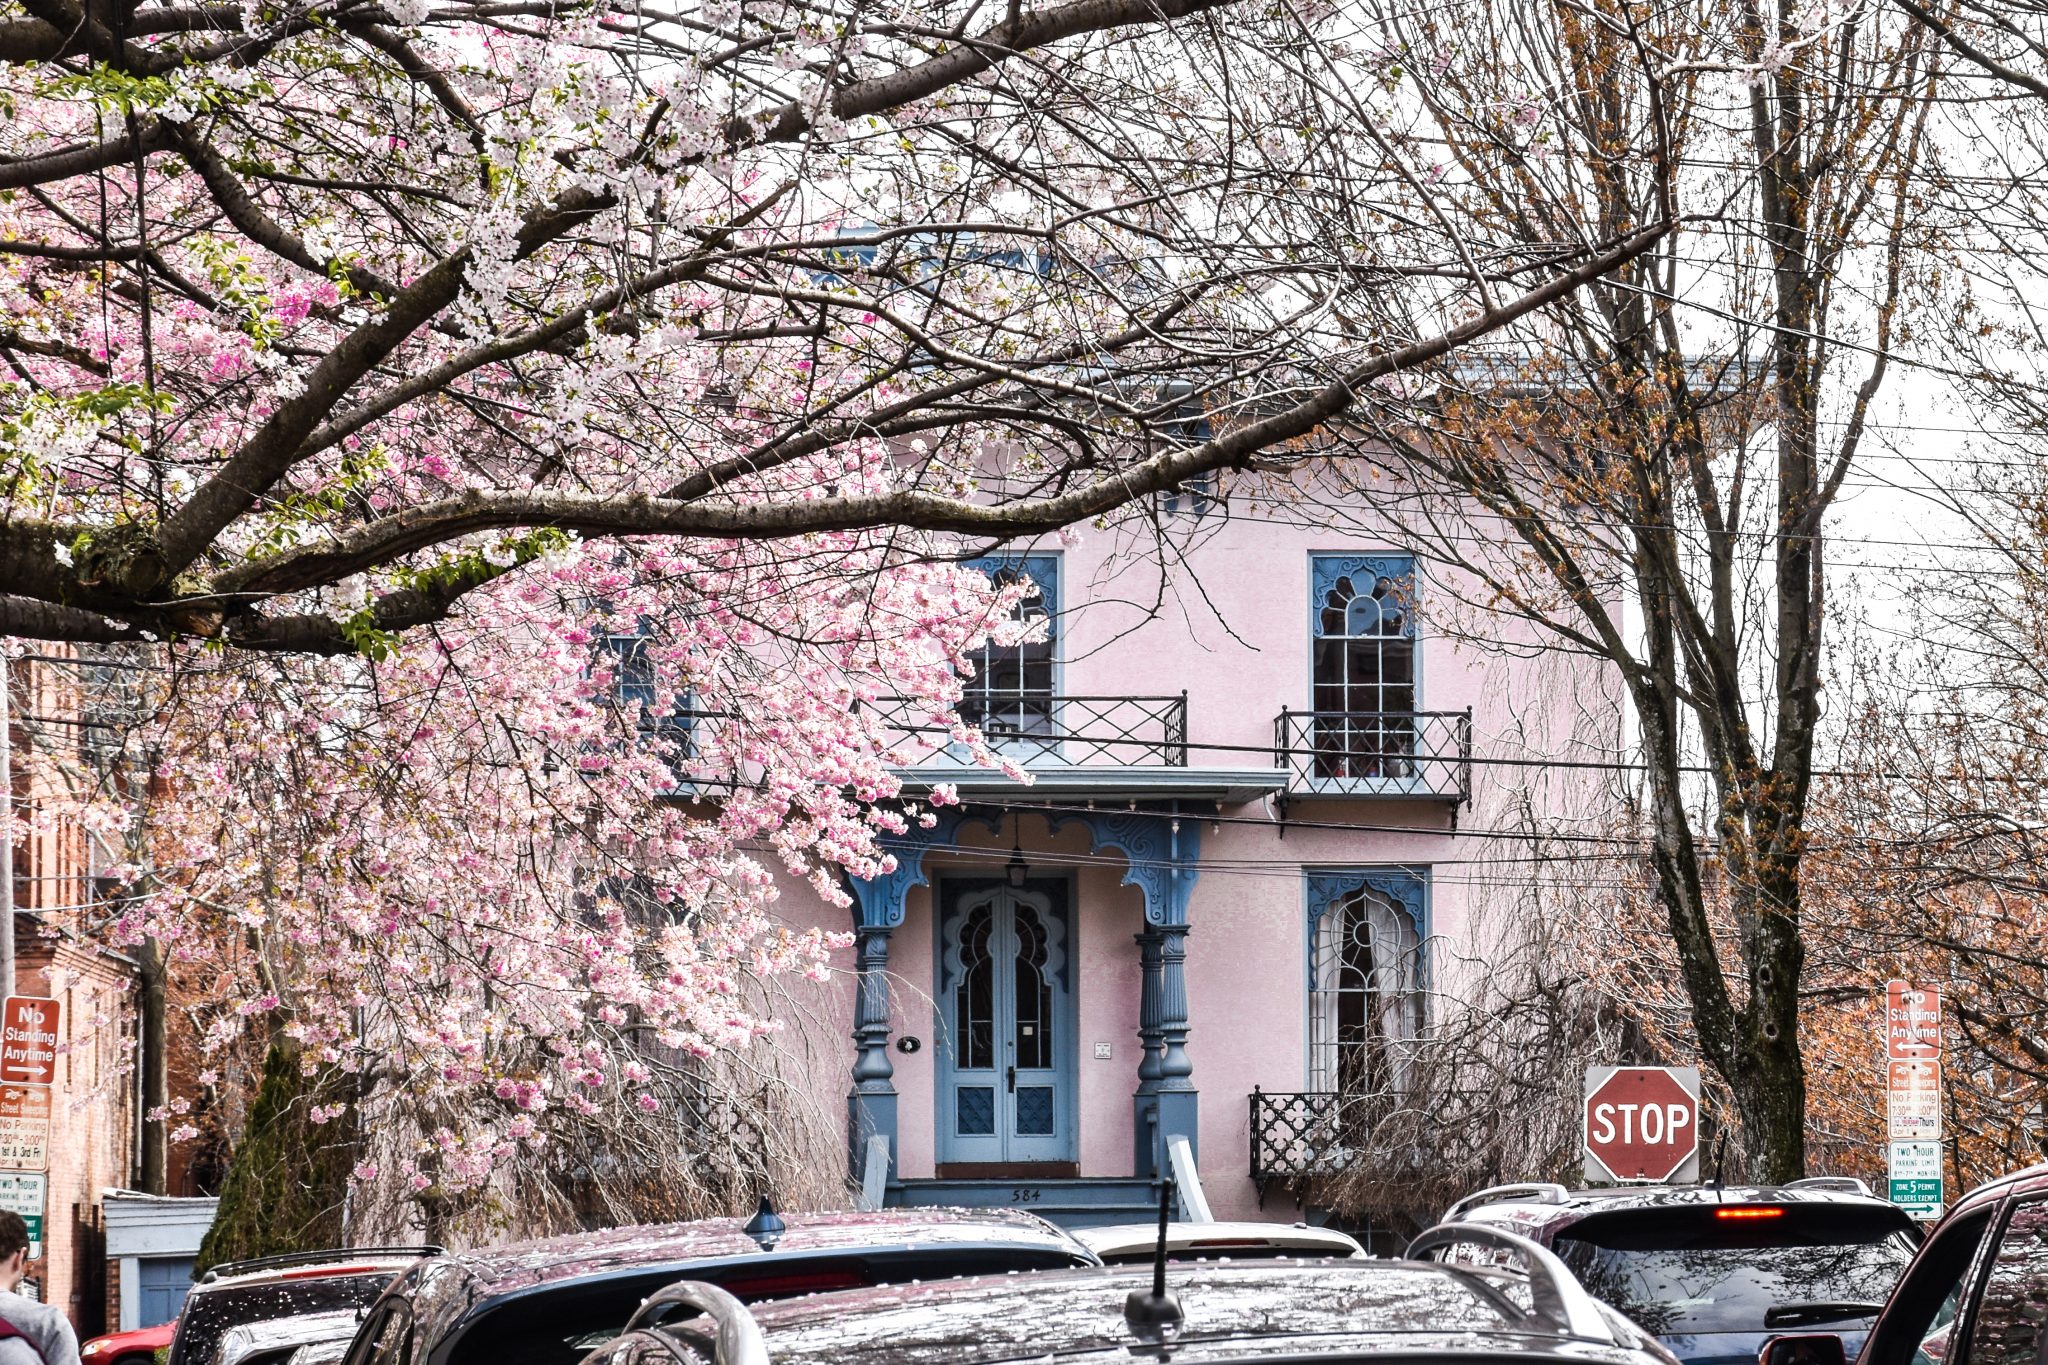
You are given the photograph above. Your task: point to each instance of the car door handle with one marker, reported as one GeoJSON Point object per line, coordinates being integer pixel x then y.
{"type": "Point", "coordinates": [1010, 1079]}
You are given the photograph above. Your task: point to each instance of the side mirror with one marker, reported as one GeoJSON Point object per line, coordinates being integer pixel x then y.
{"type": "Point", "coordinates": [1803, 1348]}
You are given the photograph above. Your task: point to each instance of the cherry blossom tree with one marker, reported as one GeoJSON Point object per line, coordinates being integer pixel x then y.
{"type": "Point", "coordinates": [529, 435]}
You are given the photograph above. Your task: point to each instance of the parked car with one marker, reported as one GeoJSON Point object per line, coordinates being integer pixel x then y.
{"type": "Point", "coordinates": [549, 1302]}
{"type": "Point", "coordinates": [239, 1293]}
{"type": "Point", "coordinates": [1215, 1314]}
{"type": "Point", "coordinates": [136, 1346]}
{"type": "Point", "coordinates": [1132, 1243]}
{"type": "Point", "coordinates": [1715, 1272]}
{"type": "Point", "coordinates": [1976, 1292]}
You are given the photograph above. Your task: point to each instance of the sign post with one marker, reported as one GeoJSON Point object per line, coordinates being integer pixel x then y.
{"type": "Point", "coordinates": [26, 1193]}
{"type": "Point", "coordinates": [1912, 1045]}
{"type": "Point", "coordinates": [28, 1040]}
{"type": "Point", "coordinates": [24, 1127]}
{"type": "Point", "coordinates": [1642, 1124]}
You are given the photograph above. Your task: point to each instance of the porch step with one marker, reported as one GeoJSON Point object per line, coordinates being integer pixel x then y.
{"type": "Point", "coordinates": [1089, 1202]}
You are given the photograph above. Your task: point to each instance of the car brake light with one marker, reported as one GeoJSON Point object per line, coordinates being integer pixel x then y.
{"type": "Point", "coordinates": [791, 1283]}
{"type": "Point", "coordinates": [1749, 1213]}
{"type": "Point", "coordinates": [1208, 1242]}
{"type": "Point", "coordinates": [331, 1271]}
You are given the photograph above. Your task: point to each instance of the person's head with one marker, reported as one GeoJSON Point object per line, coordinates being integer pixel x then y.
{"type": "Point", "coordinates": [13, 1248]}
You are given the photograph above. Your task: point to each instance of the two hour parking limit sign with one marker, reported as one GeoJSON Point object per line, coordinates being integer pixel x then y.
{"type": "Point", "coordinates": [1642, 1124]}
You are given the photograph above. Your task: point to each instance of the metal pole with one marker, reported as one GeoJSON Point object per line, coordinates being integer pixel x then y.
{"type": "Point", "coordinates": [6, 822]}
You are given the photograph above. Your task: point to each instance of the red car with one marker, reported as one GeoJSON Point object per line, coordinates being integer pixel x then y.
{"type": "Point", "coordinates": [138, 1347]}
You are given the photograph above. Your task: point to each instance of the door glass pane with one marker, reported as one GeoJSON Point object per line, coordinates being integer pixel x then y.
{"type": "Point", "coordinates": [974, 1109]}
{"type": "Point", "coordinates": [974, 1000]}
{"type": "Point", "coordinates": [1034, 994]}
{"type": "Point", "coordinates": [1034, 1110]}
{"type": "Point", "coordinates": [2007, 1328]}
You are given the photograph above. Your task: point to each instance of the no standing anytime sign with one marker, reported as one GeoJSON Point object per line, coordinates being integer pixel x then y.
{"type": "Point", "coordinates": [1642, 1123]}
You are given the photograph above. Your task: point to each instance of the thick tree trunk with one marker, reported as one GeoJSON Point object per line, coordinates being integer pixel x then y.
{"type": "Point", "coordinates": [154, 1175]}
{"type": "Point", "coordinates": [288, 1177]}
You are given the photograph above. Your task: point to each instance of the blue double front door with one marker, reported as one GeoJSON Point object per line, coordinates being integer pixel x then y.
{"type": "Point", "coordinates": [1006, 1059]}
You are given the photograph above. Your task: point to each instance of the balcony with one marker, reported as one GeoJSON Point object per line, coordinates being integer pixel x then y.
{"type": "Point", "coordinates": [1089, 746]}
{"type": "Point", "coordinates": [1414, 755]}
{"type": "Point", "coordinates": [1299, 1136]}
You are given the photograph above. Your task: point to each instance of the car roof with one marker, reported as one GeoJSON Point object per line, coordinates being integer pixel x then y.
{"type": "Point", "coordinates": [1232, 1310]}
{"type": "Point", "coordinates": [1539, 1206]}
{"type": "Point", "coordinates": [2011, 1183]}
{"type": "Point", "coordinates": [1123, 1239]}
{"type": "Point", "coordinates": [519, 1265]}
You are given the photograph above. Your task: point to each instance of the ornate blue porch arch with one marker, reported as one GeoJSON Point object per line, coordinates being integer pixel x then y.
{"type": "Point", "coordinates": [1160, 850]}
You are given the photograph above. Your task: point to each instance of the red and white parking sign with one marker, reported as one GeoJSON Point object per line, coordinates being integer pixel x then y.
{"type": "Point", "coordinates": [1642, 1122]}
{"type": "Point", "coordinates": [28, 1040]}
{"type": "Point", "coordinates": [1912, 1021]}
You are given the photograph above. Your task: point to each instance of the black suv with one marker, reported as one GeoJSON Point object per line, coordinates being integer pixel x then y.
{"type": "Point", "coordinates": [1977, 1294]}
{"type": "Point", "coordinates": [1266, 1311]}
{"type": "Point", "coordinates": [1716, 1272]}
{"type": "Point", "coordinates": [548, 1302]}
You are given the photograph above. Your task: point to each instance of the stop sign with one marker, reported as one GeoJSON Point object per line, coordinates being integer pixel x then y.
{"type": "Point", "coordinates": [1642, 1122]}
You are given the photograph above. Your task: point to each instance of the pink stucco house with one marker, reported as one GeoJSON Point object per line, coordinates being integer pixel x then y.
{"type": "Point", "coordinates": [1270, 784]}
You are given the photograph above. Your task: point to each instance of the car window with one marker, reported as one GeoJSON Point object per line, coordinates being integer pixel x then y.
{"type": "Point", "coordinates": [2006, 1328]}
{"type": "Point", "coordinates": [1717, 1269]}
{"type": "Point", "coordinates": [210, 1313]}
{"type": "Point", "coordinates": [386, 1339]}
{"type": "Point", "coordinates": [1920, 1316]}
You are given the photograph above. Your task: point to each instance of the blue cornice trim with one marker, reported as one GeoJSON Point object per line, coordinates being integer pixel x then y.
{"type": "Point", "coordinates": [1161, 852]}
{"type": "Point", "coordinates": [878, 901]}
{"type": "Point", "coordinates": [1406, 887]}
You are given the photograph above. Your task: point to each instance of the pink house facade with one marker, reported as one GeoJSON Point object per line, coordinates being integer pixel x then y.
{"type": "Point", "coordinates": [1263, 783]}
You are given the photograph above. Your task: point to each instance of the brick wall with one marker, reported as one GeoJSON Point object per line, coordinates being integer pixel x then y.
{"type": "Point", "coordinates": [92, 1146]}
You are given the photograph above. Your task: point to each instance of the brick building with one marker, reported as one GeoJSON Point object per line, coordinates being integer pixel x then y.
{"type": "Point", "coordinates": [55, 748]}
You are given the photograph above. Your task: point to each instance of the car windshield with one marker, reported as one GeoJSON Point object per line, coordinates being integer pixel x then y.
{"type": "Point", "coordinates": [209, 1313]}
{"type": "Point", "coordinates": [1725, 1268]}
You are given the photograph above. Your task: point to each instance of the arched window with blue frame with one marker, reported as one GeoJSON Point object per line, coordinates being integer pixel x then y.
{"type": "Point", "coordinates": [635, 693]}
{"type": "Point", "coordinates": [1365, 937]}
{"type": "Point", "coordinates": [1014, 692]}
{"type": "Point", "coordinates": [1365, 692]}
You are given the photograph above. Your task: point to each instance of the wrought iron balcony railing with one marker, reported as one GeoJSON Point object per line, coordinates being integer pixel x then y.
{"type": "Point", "coordinates": [1302, 1135]}
{"type": "Point", "coordinates": [1423, 754]}
{"type": "Point", "coordinates": [1079, 731]}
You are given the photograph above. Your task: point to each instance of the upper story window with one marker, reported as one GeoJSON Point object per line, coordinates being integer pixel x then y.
{"type": "Point", "coordinates": [1365, 967]}
{"type": "Point", "coordinates": [1013, 689]}
{"type": "Point", "coordinates": [1364, 693]}
{"type": "Point", "coordinates": [634, 692]}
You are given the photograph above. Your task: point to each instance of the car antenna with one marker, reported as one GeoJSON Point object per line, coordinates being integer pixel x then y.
{"type": "Point", "coordinates": [1154, 1315]}
{"type": "Point", "coordinates": [1720, 1160]}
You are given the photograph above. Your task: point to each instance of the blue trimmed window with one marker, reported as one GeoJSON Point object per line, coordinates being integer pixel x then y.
{"type": "Point", "coordinates": [1365, 1003]}
{"type": "Point", "coordinates": [634, 693]}
{"type": "Point", "coordinates": [1015, 687]}
{"type": "Point", "coordinates": [1363, 638]}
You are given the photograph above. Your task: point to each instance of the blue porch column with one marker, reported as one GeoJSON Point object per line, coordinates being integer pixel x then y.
{"type": "Point", "coordinates": [878, 912]}
{"type": "Point", "coordinates": [1177, 1097]}
{"type": "Point", "coordinates": [871, 1107]}
{"type": "Point", "coordinates": [1161, 852]}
